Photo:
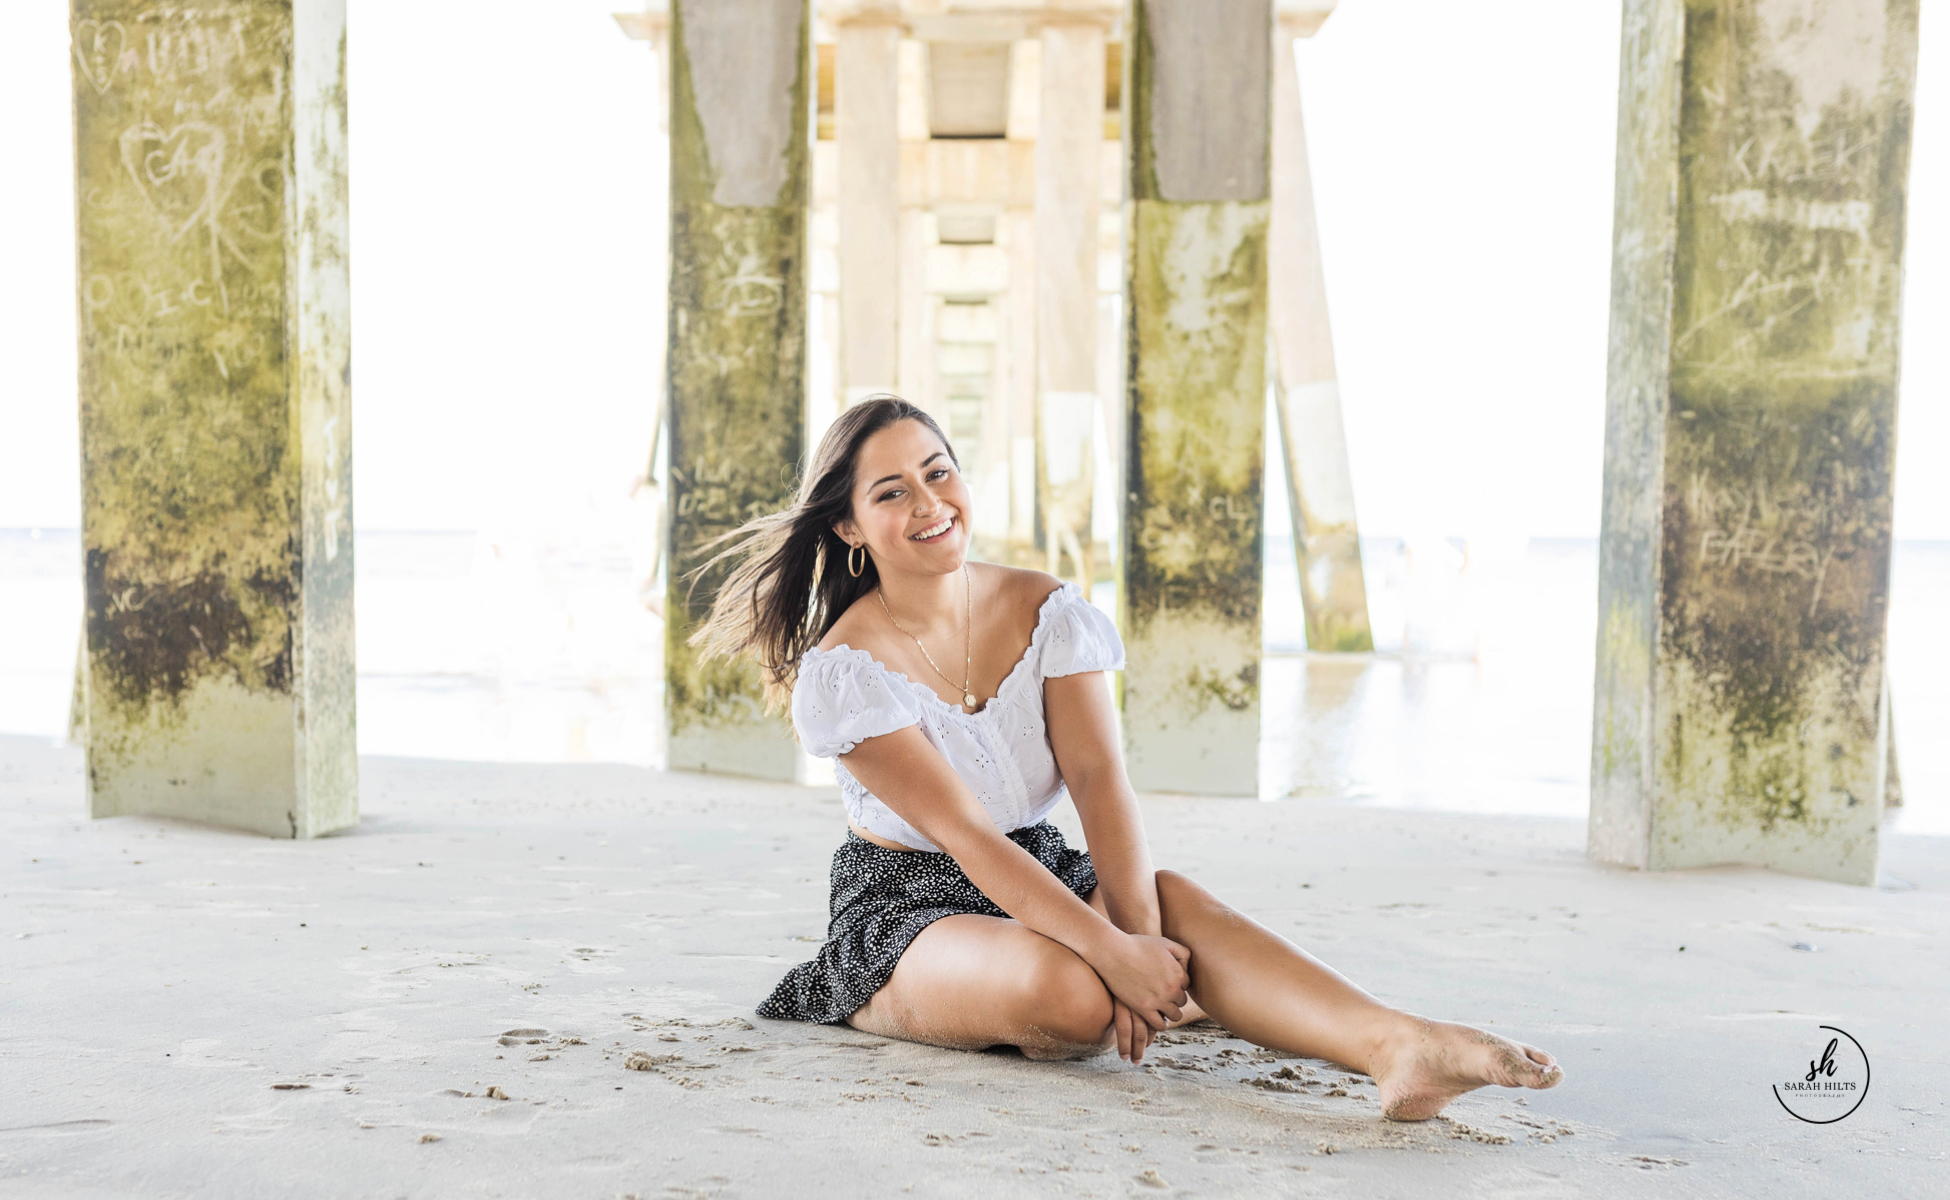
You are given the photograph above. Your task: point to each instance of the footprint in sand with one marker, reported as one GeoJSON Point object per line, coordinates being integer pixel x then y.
{"type": "Point", "coordinates": [1469, 1133]}
{"type": "Point", "coordinates": [1286, 1079]}
{"type": "Point", "coordinates": [1647, 1163]}
{"type": "Point", "coordinates": [57, 1128]}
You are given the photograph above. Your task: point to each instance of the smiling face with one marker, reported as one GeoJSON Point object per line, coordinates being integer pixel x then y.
{"type": "Point", "coordinates": [910, 504]}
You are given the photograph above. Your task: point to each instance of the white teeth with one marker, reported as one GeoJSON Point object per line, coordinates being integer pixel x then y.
{"type": "Point", "coordinates": [932, 530]}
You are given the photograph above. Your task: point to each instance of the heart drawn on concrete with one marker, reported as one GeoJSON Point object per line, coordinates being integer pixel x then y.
{"type": "Point", "coordinates": [91, 53]}
{"type": "Point", "coordinates": [178, 171]}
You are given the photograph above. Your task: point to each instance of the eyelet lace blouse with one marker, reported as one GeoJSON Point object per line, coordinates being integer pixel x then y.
{"type": "Point", "coordinates": [844, 696]}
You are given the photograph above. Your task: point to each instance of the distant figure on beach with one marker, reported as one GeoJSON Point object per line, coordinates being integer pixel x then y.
{"type": "Point", "coordinates": [960, 917]}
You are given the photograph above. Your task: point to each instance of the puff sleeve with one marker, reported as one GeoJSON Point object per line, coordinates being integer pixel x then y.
{"type": "Point", "coordinates": [1080, 638]}
{"type": "Point", "coordinates": [842, 697]}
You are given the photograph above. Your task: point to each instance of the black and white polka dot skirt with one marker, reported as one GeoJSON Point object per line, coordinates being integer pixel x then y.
{"type": "Point", "coordinates": [882, 900]}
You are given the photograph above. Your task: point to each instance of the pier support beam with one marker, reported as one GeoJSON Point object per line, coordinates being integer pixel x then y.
{"type": "Point", "coordinates": [216, 421]}
{"type": "Point", "coordinates": [1019, 380]}
{"type": "Point", "coordinates": [1196, 146]}
{"type": "Point", "coordinates": [866, 90]}
{"type": "Point", "coordinates": [1069, 197]}
{"type": "Point", "coordinates": [1307, 393]}
{"type": "Point", "coordinates": [736, 368]}
{"type": "Point", "coordinates": [1763, 159]}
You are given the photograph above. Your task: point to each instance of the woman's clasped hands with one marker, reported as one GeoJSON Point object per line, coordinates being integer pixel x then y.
{"type": "Point", "coordinates": [1149, 980]}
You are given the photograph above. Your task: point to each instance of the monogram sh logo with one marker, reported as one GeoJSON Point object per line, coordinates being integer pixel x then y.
{"type": "Point", "coordinates": [1833, 1086]}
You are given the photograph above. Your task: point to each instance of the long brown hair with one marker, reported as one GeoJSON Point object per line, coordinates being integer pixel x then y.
{"type": "Point", "coordinates": [792, 583]}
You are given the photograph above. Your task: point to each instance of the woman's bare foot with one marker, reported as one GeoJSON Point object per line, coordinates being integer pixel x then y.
{"type": "Point", "coordinates": [1432, 1062]}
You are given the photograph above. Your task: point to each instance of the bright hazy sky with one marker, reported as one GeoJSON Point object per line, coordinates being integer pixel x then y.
{"type": "Point", "coordinates": [503, 263]}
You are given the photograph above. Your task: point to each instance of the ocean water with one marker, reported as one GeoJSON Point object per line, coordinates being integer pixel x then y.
{"type": "Point", "coordinates": [535, 648]}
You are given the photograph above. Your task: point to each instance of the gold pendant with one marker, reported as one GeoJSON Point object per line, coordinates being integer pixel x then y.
{"type": "Point", "coordinates": [968, 698]}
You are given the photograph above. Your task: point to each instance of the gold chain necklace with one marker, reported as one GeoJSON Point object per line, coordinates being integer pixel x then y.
{"type": "Point", "coordinates": [968, 634]}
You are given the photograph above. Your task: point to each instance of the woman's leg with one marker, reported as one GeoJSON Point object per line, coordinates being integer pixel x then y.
{"type": "Point", "coordinates": [969, 982]}
{"type": "Point", "coordinates": [1270, 992]}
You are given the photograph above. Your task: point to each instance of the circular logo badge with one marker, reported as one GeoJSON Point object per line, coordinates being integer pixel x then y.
{"type": "Point", "coordinates": [1833, 1082]}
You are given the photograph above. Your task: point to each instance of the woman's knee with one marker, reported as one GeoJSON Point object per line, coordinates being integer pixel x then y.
{"type": "Point", "coordinates": [1063, 1000]}
{"type": "Point", "coordinates": [1188, 910]}
{"type": "Point", "coordinates": [1179, 891]}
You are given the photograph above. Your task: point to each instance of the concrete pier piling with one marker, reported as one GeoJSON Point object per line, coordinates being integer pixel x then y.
{"type": "Point", "coordinates": [866, 92]}
{"type": "Point", "coordinates": [1763, 158]}
{"type": "Point", "coordinates": [1196, 210]}
{"type": "Point", "coordinates": [1069, 137]}
{"type": "Point", "coordinates": [216, 422]}
{"type": "Point", "coordinates": [739, 170]}
{"type": "Point", "coordinates": [1307, 394]}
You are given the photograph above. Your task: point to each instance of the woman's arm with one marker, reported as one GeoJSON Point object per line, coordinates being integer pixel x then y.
{"type": "Point", "coordinates": [1083, 732]}
{"type": "Point", "coordinates": [1146, 973]}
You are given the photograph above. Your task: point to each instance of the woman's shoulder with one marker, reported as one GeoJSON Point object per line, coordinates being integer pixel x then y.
{"type": "Point", "coordinates": [1075, 635]}
{"type": "Point", "coordinates": [858, 647]}
{"type": "Point", "coordinates": [1020, 591]}
{"type": "Point", "coordinates": [854, 629]}
{"type": "Point", "coordinates": [843, 696]}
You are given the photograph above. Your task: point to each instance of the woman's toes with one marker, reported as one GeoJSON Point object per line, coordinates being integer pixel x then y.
{"type": "Point", "coordinates": [1544, 1071]}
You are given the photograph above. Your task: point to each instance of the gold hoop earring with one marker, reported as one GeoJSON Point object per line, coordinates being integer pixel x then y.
{"type": "Point", "coordinates": [851, 569]}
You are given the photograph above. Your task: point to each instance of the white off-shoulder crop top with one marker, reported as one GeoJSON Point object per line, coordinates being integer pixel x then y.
{"type": "Point", "coordinates": [844, 696]}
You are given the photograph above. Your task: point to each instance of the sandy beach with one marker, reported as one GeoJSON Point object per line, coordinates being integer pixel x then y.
{"type": "Point", "coordinates": [446, 1002]}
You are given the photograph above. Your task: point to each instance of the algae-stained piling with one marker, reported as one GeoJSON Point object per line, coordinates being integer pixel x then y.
{"type": "Point", "coordinates": [737, 329]}
{"type": "Point", "coordinates": [1196, 211]}
{"type": "Point", "coordinates": [215, 378]}
{"type": "Point", "coordinates": [1313, 439]}
{"type": "Point", "coordinates": [1756, 288]}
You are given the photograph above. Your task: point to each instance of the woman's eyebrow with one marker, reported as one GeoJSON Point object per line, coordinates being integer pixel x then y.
{"type": "Point", "coordinates": [924, 462]}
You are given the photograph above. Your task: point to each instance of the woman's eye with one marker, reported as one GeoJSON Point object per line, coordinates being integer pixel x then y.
{"type": "Point", "coordinates": [890, 495]}
{"type": "Point", "coordinates": [938, 473]}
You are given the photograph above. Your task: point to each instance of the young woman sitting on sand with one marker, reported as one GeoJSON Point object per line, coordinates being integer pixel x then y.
{"type": "Point", "coordinates": [959, 916]}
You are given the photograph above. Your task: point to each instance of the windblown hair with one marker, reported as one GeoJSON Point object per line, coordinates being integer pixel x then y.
{"type": "Point", "coordinates": [791, 581]}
